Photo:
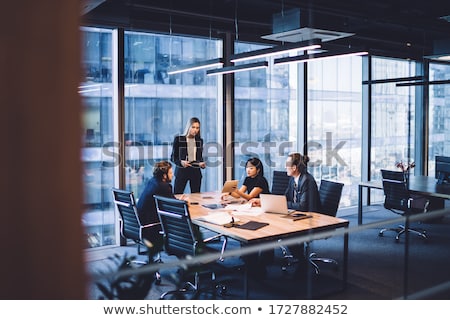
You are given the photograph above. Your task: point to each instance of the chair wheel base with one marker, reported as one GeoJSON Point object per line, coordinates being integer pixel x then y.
{"type": "Point", "coordinates": [221, 289]}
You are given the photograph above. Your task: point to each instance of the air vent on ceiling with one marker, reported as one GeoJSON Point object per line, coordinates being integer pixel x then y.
{"type": "Point", "coordinates": [307, 33]}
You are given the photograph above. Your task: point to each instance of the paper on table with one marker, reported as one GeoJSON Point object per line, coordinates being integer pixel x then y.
{"type": "Point", "coordinates": [219, 217]}
{"type": "Point", "coordinates": [244, 209]}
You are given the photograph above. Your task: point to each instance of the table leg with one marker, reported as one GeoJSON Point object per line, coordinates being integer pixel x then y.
{"type": "Point", "coordinates": [345, 268]}
{"type": "Point", "coordinates": [360, 195]}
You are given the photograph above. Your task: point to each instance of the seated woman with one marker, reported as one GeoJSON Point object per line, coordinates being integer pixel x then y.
{"type": "Point", "coordinates": [255, 183]}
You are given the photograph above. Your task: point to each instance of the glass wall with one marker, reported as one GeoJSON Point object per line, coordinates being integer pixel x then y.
{"type": "Point", "coordinates": [158, 105]}
{"type": "Point", "coordinates": [96, 92]}
{"type": "Point", "coordinates": [439, 115]}
{"type": "Point", "coordinates": [265, 115]}
{"type": "Point", "coordinates": [393, 118]}
{"type": "Point", "coordinates": [334, 123]}
{"type": "Point", "coordinates": [268, 116]}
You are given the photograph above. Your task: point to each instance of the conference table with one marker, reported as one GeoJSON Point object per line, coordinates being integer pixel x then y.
{"type": "Point", "coordinates": [278, 227]}
{"type": "Point", "coordinates": [424, 185]}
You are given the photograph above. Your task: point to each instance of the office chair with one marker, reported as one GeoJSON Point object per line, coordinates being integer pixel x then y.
{"type": "Point", "coordinates": [130, 225]}
{"type": "Point", "coordinates": [182, 239]}
{"type": "Point", "coordinates": [330, 195]}
{"type": "Point", "coordinates": [280, 182]}
{"type": "Point", "coordinates": [399, 200]}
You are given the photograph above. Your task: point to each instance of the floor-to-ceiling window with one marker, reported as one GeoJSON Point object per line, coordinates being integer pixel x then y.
{"type": "Point", "coordinates": [439, 115]}
{"type": "Point", "coordinates": [393, 116]}
{"type": "Point", "coordinates": [157, 107]}
{"type": "Point", "coordinates": [265, 115]}
{"type": "Point", "coordinates": [98, 177]}
{"type": "Point", "coordinates": [334, 122]}
{"type": "Point", "coordinates": [158, 104]}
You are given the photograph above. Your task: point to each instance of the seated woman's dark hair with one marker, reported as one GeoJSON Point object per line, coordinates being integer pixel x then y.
{"type": "Point", "coordinates": [300, 161]}
{"type": "Point", "coordinates": [258, 164]}
{"type": "Point", "coordinates": [161, 168]}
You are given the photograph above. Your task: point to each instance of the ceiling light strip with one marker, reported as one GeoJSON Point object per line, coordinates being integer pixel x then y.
{"type": "Point", "coordinates": [218, 62]}
{"type": "Point", "coordinates": [303, 45]}
{"type": "Point", "coordinates": [423, 83]}
{"type": "Point", "coordinates": [392, 80]}
{"type": "Point", "coordinates": [238, 68]}
{"type": "Point", "coordinates": [318, 56]}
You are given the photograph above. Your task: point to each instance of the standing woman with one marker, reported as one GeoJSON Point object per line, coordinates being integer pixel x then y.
{"type": "Point", "coordinates": [187, 154]}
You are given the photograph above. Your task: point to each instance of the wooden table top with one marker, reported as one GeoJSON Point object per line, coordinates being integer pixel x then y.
{"type": "Point", "coordinates": [278, 227]}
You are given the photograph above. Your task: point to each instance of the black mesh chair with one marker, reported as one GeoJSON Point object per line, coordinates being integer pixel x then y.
{"type": "Point", "coordinates": [399, 200]}
{"type": "Point", "coordinates": [280, 182]}
{"type": "Point", "coordinates": [131, 227]}
{"type": "Point", "coordinates": [330, 195]}
{"type": "Point", "coordinates": [183, 240]}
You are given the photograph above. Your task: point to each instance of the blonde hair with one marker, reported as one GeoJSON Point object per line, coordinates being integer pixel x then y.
{"type": "Point", "coordinates": [190, 122]}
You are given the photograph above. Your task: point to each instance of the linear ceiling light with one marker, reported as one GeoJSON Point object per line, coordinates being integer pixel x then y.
{"type": "Point", "coordinates": [238, 68]}
{"type": "Point", "coordinates": [303, 45]}
{"type": "Point", "coordinates": [423, 83]}
{"type": "Point", "coordinates": [319, 56]}
{"type": "Point", "coordinates": [218, 62]}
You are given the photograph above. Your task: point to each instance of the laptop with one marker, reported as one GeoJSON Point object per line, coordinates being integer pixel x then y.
{"type": "Point", "coordinates": [229, 186]}
{"type": "Point", "coordinates": [274, 203]}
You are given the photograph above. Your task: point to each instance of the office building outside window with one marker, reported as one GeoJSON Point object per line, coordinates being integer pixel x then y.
{"type": "Point", "coordinates": [334, 123]}
{"type": "Point", "coordinates": [98, 177]}
{"type": "Point", "coordinates": [439, 115]}
{"type": "Point", "coordinates": [158, 105]}
{"type": "Point", "coordinates": [393, 117]}
{"type": "Point", "coordinates": [265, 115]}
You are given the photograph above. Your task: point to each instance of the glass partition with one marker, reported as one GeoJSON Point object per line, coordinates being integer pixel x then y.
{"type": "Point", "coordinates": [98, 176]}
{"type": "Point", "coordinates": [334, 123]}
{"type": "Point", "coordinates": [158, 105]}
{"type": "Point", "coordinates": [265, 115]}
{"type": "Point", "coordinates": [439, 115]}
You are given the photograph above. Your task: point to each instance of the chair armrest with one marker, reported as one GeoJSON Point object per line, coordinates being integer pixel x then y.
{"type": "Point", "coordinates": [418, 203]}
{"type": "Point", "coordinates": [151, 225]}
{"type": "Point", "coordinates": [215, 237]}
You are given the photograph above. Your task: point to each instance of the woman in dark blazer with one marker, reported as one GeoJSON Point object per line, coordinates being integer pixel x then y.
{"type": "Point", "coordinates": [301, 194]}
{"type": "Point", "coordinates": [187, 155]}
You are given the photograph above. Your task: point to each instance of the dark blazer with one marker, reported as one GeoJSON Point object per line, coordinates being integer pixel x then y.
{"type": "Point", "coordinates": [307, 194]}
{"type": "Point", "coordinates": [179, 150]}
{"type": "Point", "coordinates": [146, 203]}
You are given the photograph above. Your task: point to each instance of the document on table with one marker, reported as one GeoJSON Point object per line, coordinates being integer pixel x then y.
{"type": "Point", "coordinates": [244, 209]}
{"type": "Point", "coordinates": [219, 217]}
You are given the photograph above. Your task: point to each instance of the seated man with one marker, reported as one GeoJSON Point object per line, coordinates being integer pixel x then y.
{"type": "Point", "coordinates": [159, 184]}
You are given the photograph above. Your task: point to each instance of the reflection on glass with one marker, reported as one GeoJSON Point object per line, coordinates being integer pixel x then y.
{"type": "Point", "coordinates": [439, 119]}
{"type": "Point", "coordinates": [334, 123]}
{"type": "Point", "coordinates": [98, 177]}
{"type": "Point", "coordinates": [393, 116]}
{"type": "Point", "coordinates": [158, 105]}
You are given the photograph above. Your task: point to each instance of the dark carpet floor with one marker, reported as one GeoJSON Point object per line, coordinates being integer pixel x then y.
{"type": "Point", "coordinates": [375, 267]}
